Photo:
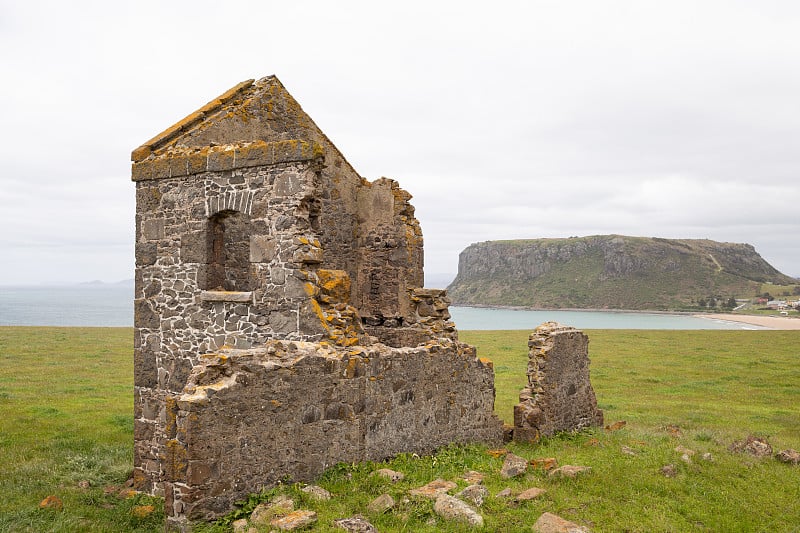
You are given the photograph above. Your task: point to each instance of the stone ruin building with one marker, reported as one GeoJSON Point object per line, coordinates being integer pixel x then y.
{"type": "Point", "coordinates": [280, 321]}
{"type": "Point", "coordinates": [559, 395]}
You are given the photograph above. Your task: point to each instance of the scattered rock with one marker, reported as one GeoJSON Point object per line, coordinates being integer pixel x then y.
{"type": "Point", "coordinates": [127, 493]}
{"type": "Point", "coordinates": [451, 508]}
{"type": "Point", "coordinates": [674, 430]}
{"type": "Point", "coordinates": [264, 512]}
{"type": "Point", "coordinates": [317, 493]}
{"type": "Point", "coordinates": [755, 446]}
{"type": "Point", "coordinates": [505, 493]}
{"type": "Point", "coordinates": [529, 494]}
{"type": "Point", "coordinates": [513, 466]}
{"type": "Point", "coordinates": [294, 520]}
{"type": "Point", "coordinates": [84, 484]}
{"type": "Point", "coordinates": [391, 475]}
{"type": "Point", "coordinates": [355, 524]}
{"type": "Point", "coordinates": [240, 526]}
{"type": "Point", "coordinates": [474, 494]}
{"type": "Point", "coordinates": [569, 471]}
{"type": "Point", "coordinates": [473, 478]}
{"type": "Point", "coordinates": [707, 457]}
{"type": "Point", "coordinates": [686, 458]}
{"type": "Point", "coordinates": [616, 426]}
{"type": "Point", "coordinates": [683, 450]}
{"type": "Point", "coordinates": [381, 504]}
{"type": "Point", "coordinates": [433, 489]}
{"type": "Point", "coordinates": [669, 471]}
{"type": "Point", "coordinates": [545, 463]}
{"type": "Point", "coordinates": [142, 511]}
{"type": "Point", "coordinates": [788, 456]}
{"type": "Point", "coordinates": [627, 450]}
{"type": "Point", "coordinates": [51, 502]}
{"type": "Point", "coordinates": [550, 523]}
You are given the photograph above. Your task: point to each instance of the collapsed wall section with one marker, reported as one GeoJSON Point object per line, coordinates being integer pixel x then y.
{"type": "Point", "coordinates": [249, 418]}
{"type": "Point", "coordinates": [559, 395]}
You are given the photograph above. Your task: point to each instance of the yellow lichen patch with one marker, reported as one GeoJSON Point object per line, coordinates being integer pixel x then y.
{"type": "Point", "coordinates": [310, 289]}
{"type": "Point", "coordinates": [275, 403]}
{"type": "Point", "coordinates": [486, 362]}
{"type": "Point", "coordinates": [352, 367]}
{"type": "Point", "coordinates": [174, 460]}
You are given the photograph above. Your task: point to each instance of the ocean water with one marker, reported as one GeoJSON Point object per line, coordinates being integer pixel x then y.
{"type": "Point", "coordinates": [467, 318]}
{"type": "Point", "coordinates": [112, 305]}
{"type": "Point", "coordinates": [78, 305]}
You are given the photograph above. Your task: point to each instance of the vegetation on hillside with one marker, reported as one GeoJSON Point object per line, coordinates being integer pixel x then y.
{"type": "Point", "coordinates": [611, 272]}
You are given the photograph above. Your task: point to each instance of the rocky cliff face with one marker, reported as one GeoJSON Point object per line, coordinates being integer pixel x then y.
{"type": "Point", "coordinates": [608, 271]}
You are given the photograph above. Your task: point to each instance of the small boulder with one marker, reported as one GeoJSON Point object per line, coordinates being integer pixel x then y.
{"type": "Point", "coordinates": [545, 463]}
{"type": "Point", "coordinates": [294, 520]}
{"type": "Point", "coordinates": [505, 493]}
{"type": "Point", "coordinates": [240, 526]}
{"type": "Point", "coordinates": [616, 426]}
{"type": "Point", "coordinates": [788, 456]}
{"type": "Point", "coordinates": [433, 489]}
{"type": "Point", "coordinates": [317, 493]}
{"type": "Point", "coordinates": [355, 524]}
{"type": "Point", "coordinates": [265, 512]}
{"type": "Point", "coordinates": [473, 478]}
{"type": "Point", "coordinates": [669, 471]}
{"type": "Point", "coordinates": [627, 450]}
{"type": "Point", "coordinates": [51, 502]}
{"type": "Point", "coordinates": [550, 523]}
{"type": "Point", "coordinates": [451, 508]}
{"type": "Point", "coordinates": [389, 474]}
{"type": "Point", "coordinates": [529, 494]}
{"type": "Point", "coordinates": [569, 471]}
{"type": "Point", "coordinates": [755, 446]}
{"type": "Point", "coordinates": [513, 466]}
{"type": "Point", "coordinates": [474, 494]}
{"type": "Point", "coordinates": [381, 504]}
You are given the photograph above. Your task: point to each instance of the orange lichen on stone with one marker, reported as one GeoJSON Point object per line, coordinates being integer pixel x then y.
{"type": "Point", "coordinates": [187, 122]}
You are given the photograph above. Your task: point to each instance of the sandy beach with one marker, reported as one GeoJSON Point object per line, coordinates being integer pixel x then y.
{"type": "Point", "coordinates": [771, 322]}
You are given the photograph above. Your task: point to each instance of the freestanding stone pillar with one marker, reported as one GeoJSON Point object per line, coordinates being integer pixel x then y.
{"type": "Point", "coordinates": [559, 395]}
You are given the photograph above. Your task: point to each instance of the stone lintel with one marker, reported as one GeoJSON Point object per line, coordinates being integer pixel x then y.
{"type": "Point", "coordinates": [226, 296]}
{"type": "Point", "coordinates": [177, 162]}
{"type": "Point", "coordinates": [188, 122]}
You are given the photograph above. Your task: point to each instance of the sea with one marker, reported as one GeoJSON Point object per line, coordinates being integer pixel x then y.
{"type": "Point", "coordinates": [108, 305]}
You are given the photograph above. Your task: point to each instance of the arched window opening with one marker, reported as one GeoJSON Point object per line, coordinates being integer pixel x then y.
{"type": "Point", "coordinates": [229, 252]}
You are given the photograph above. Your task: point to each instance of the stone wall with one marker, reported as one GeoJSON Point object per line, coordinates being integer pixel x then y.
{"type": "Point", "coordinates": [559, 394]}
{"type": "Point", "coordinates": [250, 418]}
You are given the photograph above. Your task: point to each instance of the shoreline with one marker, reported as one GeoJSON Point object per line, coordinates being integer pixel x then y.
{"type": "Point", "coordinates": [760, 321]}
{"type": "Point", "coordinates": [770, 322]}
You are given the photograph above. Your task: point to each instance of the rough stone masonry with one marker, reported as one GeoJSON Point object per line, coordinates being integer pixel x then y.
{"type": "Point", "coordinates": [559, 394]}
{"type": "Point", "coordinates": [280, 323]}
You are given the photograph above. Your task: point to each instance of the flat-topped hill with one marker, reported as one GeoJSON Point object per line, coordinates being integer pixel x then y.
{"type": "Point", "coordinates": [609, 272]}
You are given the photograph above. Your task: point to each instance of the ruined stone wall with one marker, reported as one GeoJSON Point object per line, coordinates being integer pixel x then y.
{"type": "Point", "coordinates": [252, 230]}
{"type": "Point", "coordinates": [249, 418]}
{"type": "Point", "coordinates": [559, 394]}
{"type": "Point", "coordinates": [180, 309]}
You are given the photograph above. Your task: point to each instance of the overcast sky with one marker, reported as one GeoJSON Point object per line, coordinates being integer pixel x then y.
{"type": "Point", "coordinates": [504, 120]}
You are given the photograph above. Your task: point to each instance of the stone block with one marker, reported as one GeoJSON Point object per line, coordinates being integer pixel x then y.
{"type": "Point", "coordinates": [194, 247]}
{"type": "Point", "coordinates": [263, 249]}
{"type": "Point", "coordinates": [153, 229]}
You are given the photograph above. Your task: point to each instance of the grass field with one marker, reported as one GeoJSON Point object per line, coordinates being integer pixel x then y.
{"type": "Point", "coordinates": [66, 403]}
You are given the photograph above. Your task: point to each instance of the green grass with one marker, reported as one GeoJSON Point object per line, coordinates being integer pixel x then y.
{"type": "Point", "coordinates": [66, 395]}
